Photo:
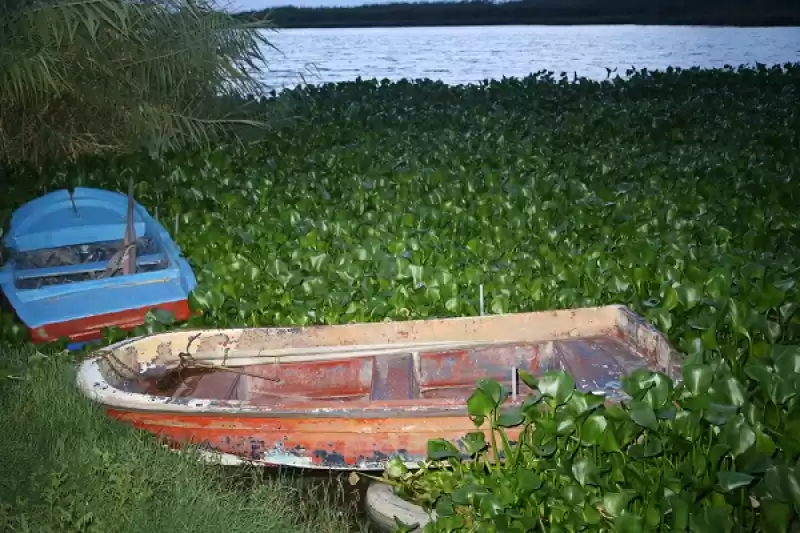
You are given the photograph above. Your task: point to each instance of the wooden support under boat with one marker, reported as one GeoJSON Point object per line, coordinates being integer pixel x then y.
{"type": "Point", "coordinates": [354, 396]}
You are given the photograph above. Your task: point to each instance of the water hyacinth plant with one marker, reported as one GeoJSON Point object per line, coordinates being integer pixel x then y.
{"type": "Point", "coordinates": [708, 455]}
{"type": "Point", "coordinates": [671, 192]}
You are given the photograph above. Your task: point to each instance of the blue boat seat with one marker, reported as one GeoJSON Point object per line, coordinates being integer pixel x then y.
{"type": "Point", "coordinates": [66, 270]}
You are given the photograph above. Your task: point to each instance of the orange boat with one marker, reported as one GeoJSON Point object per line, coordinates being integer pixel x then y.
{"type": "Point", "coordinates": [354, 396]}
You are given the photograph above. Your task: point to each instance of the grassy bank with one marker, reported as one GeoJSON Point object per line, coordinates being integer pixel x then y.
{"type": "Point", "coordinates": [67, 467]}
{"type": "Point", "coordinates": [674, 193]}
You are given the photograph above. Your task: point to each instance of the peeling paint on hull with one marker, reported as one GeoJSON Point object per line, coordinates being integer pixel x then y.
{"type": "Point", "coordinates": [335, 443]}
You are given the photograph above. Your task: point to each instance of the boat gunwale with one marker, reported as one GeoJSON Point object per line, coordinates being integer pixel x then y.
{"type": "Point", "coordinates": [95, 384]}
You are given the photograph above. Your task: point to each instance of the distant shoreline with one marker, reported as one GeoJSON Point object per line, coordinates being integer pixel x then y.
{"type": "Point", "coordinates": [734, 13]}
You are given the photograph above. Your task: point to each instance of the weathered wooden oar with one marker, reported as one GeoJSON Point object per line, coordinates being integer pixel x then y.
{"type": "Point", "coordinates": [129, 245]}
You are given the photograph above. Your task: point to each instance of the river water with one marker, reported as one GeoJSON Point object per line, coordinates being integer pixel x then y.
{"type": "Point", "coordinates": [467, 54]}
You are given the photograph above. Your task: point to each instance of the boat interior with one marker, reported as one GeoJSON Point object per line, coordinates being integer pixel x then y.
{"type": "Point", "coordinates": [432, 361]}
{"type": "Point", "coordinates": [436, 374]}
{"type": "Point", "coordinates": [82, 262]}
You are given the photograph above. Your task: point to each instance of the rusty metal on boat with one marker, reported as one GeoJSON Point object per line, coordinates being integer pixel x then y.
{"type": "Point", "coordinates": [354, 396]}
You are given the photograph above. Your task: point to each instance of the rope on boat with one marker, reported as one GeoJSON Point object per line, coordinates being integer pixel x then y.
{"type": "Point", "coordinates": [117, 261]}
{"type": "Point", "coordinates": [188, 361]}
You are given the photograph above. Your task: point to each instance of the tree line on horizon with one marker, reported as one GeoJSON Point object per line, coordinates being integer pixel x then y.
{"type": "Point", "coordinates": [489, 12]}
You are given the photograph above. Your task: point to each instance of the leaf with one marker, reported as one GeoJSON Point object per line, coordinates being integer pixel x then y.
{"type": "Point", "coordinates": [582, 402]}
{"type": "Point", "coordinates": [573, 494]}
{"type": "Point", "coordinates": [662, 318]}
{"type": "Point", "coordinates": [711, 520]}
{"type": "Point", "coordinates": [615, 503]}
{"type": "Point", "coordinates": [468, 494]}
{"type": "Point", "coordinates": [730, 481]}
{"type": "Point", "coordinates": [669, 298]}
{"type": "Point", "coordinates": [396, 468]}
{"type": "Point", "coordinates": [511, 417]}
{"type": "Point", "coordinates": [643, 415]}
{"type": "Point", "coordinates": [594, 431]}
{"type": "Point", "coordinates": [628, 522]}
{"type": "Point", "coordinates": [787, 359]}
{"type": "Point", "coordinates": [585, 471]}
{"type": "Point", "coordinates": [492, 389]}
{"type": "Point", "coordinates": [528, 481]}
{"type": "Point", "coordinates": [697, 378]}
{"type": "Point", "coordinates": [444, 506]}
{"type": "Point", "coordinates": [479, 404]}
{"type": "Point", "coordinates": [719, 283]}
{"type": "Point", "coordinates": [557, 385]}
{"type": "Point", "coordinates": [689, 294]}
{"type": "Point", "coordinates": [732, 391]}
{"type": "Point", "coordinates": [739, 318]}
{"type": "Point", "coordinates": [529, 379]}
{"type": "Point", "coordinates": [776, 516]}
{"type": "Point", "coordinates": [475, 442]}
{"type": "Point", "coordinates": [738, 435]}
{"type": "Point", "coordinates": [439, 449]}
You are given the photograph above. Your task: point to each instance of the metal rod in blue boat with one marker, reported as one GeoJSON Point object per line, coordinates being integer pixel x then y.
{"type": "Point", "coordinates": [129, 257]}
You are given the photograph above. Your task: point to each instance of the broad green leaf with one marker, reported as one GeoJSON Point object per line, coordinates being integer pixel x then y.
{"type": "Point", "coordinates": [615, 503]}
{"type": "Point", "coordinates": [643, 414]}
{"type": "Point", "coordinates": [442, 449]}
{"type": "Point", "coordinates": [444, 506]}
{"type": "Point", "coordinates": [787, 359]}
{"type": "Point", "coordinates": [689, 294]}
{"type": "Point", "coordinates": [627, 522]}
{"type": "Point", "coordinates": [492, 390]}
{"type": "Point", "coordinates": [528, 481]}
{"type": "Point", "coordinates": [468, 494]}
{"type": "Point", "coordinates": [776, 516]}
{"type": "Point", "coordinates": [475, 442]}
{"type": "Point", "coordinates": [585, 471]}
{"type": "Point", "coordinates": [698, 378]}
{"type": "Point", "coordinates": [510, 417]}
{"type": "Point", "coordinates": [738, 435]}
{"type": "Point", "coordinates": [529, 379]}
{"type": "Point", "coordinates": [593, 429]}
{"type": "Point", "coordinates": [395, 468]}
{"type": "Point", "coordinates": [479, 404]}
{"type": "Point", "coordinates": [662, 318]}
{"type": "Point", "coordinates": [573, 494]}
{"type": "Point", "coordinates": [557, 385]}
{"type": "Point", "coordinates": [730, 481]}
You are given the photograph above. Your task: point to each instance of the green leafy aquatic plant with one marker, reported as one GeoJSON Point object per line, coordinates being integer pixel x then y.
{"type": "Point", "coordinates": [649, 192]}
{"type": "Point", "coordinates": [702, 456]}
{"type": "Point", "coordinates": [671, 192]}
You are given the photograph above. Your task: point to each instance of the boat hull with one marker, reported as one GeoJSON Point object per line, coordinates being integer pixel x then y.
{"type": "Point", "coordinates": [60, 280]}
{"type": "Point", "coordinates": [355, 396]}
{"type": "Point", "coordinates": [90, 328]}
{"type": "Point", "coordinates": [330, 443]}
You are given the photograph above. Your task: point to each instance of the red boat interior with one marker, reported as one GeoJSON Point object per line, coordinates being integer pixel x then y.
{"type": "Point", "coordinates": [596, 363]}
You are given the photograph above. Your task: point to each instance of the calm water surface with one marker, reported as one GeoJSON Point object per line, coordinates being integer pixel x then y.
{"type": "Point", "coordinates": [473, 53]}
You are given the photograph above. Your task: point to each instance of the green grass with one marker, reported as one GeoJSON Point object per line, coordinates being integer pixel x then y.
{"type": "Point", "coordinates": [67, 467]}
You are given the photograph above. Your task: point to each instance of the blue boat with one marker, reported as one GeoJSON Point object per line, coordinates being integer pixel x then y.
{"type": "Point", "coordinates": [71, 272]}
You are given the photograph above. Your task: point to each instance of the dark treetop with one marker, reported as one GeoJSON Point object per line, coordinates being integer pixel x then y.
{"type": "Point", "coordinates": [486, 12]}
